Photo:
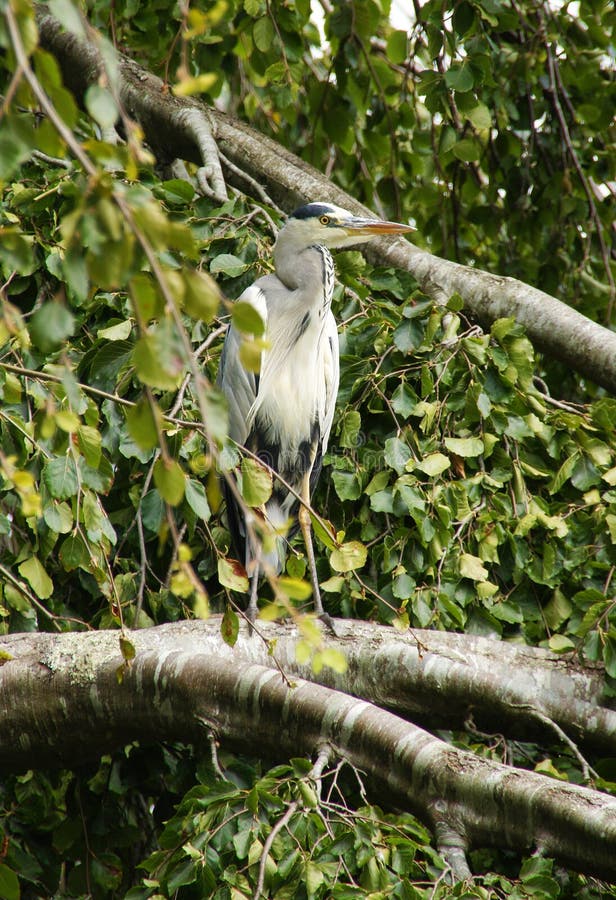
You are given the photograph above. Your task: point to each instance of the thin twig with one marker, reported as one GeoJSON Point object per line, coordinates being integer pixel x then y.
{"type": "Point", "coordinates": [267, 846]}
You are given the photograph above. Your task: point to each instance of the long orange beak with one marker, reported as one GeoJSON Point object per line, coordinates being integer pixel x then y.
{"type": "Point", "coordinates": [357, 225]}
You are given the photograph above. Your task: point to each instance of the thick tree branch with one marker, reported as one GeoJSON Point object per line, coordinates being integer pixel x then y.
{"type": "Point", "coordinates": [437, 679]}
{"type": "Point", "coordinates": [60, 700]}
{"type": "Point", "coordinates": [552, 325]}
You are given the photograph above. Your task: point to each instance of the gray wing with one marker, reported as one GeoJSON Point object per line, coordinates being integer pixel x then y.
{"type": "Point", "coordinates": [240, 386]}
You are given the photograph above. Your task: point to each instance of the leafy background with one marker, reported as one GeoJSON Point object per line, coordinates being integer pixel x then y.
{"type": "Point", "coordinates": [476, 478]}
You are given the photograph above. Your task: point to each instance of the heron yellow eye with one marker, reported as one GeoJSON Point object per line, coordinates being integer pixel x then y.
{"type": "Point", "coordinates": [324, 220]}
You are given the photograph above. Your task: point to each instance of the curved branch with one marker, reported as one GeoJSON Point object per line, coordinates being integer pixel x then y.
{"type": "Point", "coordinates": [552, 325]}
{"type": "Point", "coordinates": [437, 679]}
{"type": "Point", "coordinates": [60, 698]}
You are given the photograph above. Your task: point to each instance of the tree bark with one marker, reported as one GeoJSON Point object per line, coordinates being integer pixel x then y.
{"type": "Point", "coordinates": [552, 325]}
{"type": "Point", "coordinates": [61, 700]}
{"type": "Point", "coordinates": [436, 679]}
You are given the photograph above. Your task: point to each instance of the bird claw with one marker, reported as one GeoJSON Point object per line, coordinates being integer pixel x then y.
{"type": "Point", "coordinates": [328, 622]}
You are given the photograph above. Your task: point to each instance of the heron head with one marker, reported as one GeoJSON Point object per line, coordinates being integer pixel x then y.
{"type": "Point", "coordinates": [332, 226]}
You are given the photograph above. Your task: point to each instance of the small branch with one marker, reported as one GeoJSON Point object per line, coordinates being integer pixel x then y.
{"type": "Point", "coordinates": [587, 771]}
{"type": "Point", "coordinates": [211, 737]}
{"type": "Point", "coordinates": [267, 846]}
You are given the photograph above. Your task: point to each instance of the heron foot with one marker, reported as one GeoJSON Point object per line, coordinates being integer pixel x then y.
{"type": "Point", "coordinates": [328, 622]}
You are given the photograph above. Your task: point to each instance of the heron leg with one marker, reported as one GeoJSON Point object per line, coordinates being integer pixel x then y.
{"type": "Point", "coordinates": [253, 560]}
{"type": "Point", "coordinates": [252, 610]}
{"type": "Point", "coordinates": [304, 523]}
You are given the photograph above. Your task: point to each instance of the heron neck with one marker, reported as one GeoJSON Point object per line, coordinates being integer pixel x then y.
{"type": "Point", "coordinates": [301, 268]}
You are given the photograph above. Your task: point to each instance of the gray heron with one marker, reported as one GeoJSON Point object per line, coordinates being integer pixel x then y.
{"type": "Point", "coordinates": [283, 414]}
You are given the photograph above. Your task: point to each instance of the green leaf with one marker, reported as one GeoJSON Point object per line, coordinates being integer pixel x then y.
{"type": "Point", "coordinates": [256, 482]}
{"type": "Point", "coordinates": [480, 116]}
{"type": "Point", "coordinates": [466, 447]}
{"type": "Point", "coordinates": [397, 47]}
{"type": "Point", "coordinates": [127, 648]}
{"type": "Point", "coordinates": [177, 190]}
{"type": "Point", "coordinates": [67, 13]}
{"type": "Point", "coordinates": [314, 878]}
{"type": "Point", "coordinates": [216, 415]}
{"type": "Point", "coordinates": [463, 17]}
{"type": "Point", "coordinates": [396, 454]}
{"type": "Point", "coordinates": [89, 441]}
{"type": "Point", "coordinates": [403, 400]}
{"type": "Point", "coordinates": [324, 531]}
{"type": "Point", "coordinates": [230, 627]}
{"type": "Point", "coordinates": [351, 427]}
{"type": "Point", "coordinates": [196, 84]}
{"type": "Point", "coordinates": [9, 883]}
{"type": "Point", "coordinates": [557, 610]}
{"type": "Point", "coordinates": [585, 475]}
{"type": "Point", "coordinates": [227, 264]}
{"type": "Point", "coordinates": [466, 150]}
{"type": "Point", "coordinates": [197, 499]}
{"type": "Point", "coordinates": [155, 363]}
{"type": "Point", "coordinates": [101, 105]}
{"type": "Point", "coordinates": [184, 872]}
{"type": "Point", "coordinates": [459, 77]}
{"type": "Point", "coordinates": [349, 556]}
{"type": "Point", "coordinates": [231, 574]}
{"type": "Point", "coordinates": [472, 567]}
{"type": "Point", "coordinates": [560, 643]}
{"type": "Point", "coordinates": [609, 656]}
{"type": "Point", "coordinates": [146, 296]}
{"type": "Point", "coordinates": [36, 576]}
{"type": "Point", "coordinates": [433, 464]}
{"type": "Point", "coordinates": [74, 554]}
{"type": "Point", "coordinates": [201, 295]}
{"type": "Point", "coordinates": [334, 659]}
{"type": "Point", "coordinates": [66, 420]}
{"type": "Point", "coordinates": [170, 480]}
{"type": "Point", "coordinates": [346, 484]}
{"type": "Point", "coordinates": [58, 517]}
{"type": "Point", "coordinates": [141, 424]}
{"type": "Point", "coordinates": [263, 34]}
{"type": "Point", "coordinates": [14, 150]}
{"type": "Point", "coordinates": [295, 588]}
{"type": "Point", "coordinates": [61, 477]}
{"type": "Point", "coordinates": [247, 319]}
{"type": "Point", "coordinates": [16, 250]}
{"type": "Point", "coordinates": [120, 331]}
{"type": "Point", "coordinates": [51, 325]}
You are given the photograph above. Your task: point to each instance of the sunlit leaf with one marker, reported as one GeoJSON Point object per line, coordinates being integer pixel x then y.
{"type": "Point", "coordinates": [170, 480]}
{"type": "Point", "coordinates": [232, 575]}
{"type": "Point", "coordinates": [36, 576]}
{"type": "Point", "coordinates": [256, 482]}
{"type": "Point", "coordinates": [349, 556]}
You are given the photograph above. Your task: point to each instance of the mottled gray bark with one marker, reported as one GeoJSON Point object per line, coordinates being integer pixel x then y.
{"type": "Point", "coordinates": [552, 325]}
{"type": "Point", "coordinates": [61, 700]}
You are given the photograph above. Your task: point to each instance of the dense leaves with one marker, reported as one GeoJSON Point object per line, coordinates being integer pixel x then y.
{"type": "Point", "coordinates": [469, 484]}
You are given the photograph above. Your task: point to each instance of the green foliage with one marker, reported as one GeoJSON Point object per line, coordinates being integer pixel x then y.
{"type": "Point", "coordinates": [216, 840]}
{"type": "Point", "coordinates": [483, 501]}
{"type": "Point", "coordinates": [457, 493]}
